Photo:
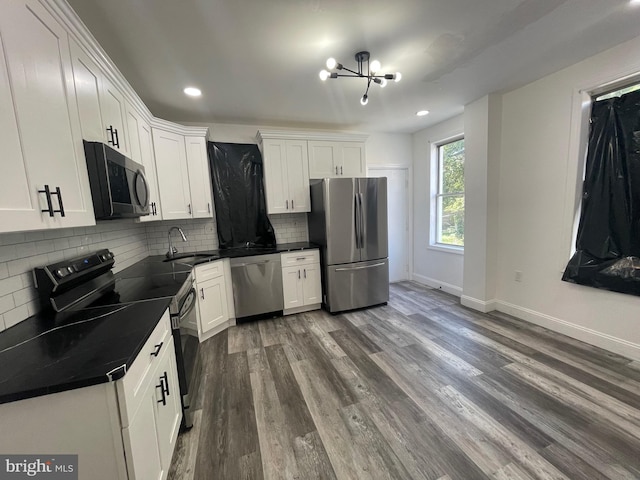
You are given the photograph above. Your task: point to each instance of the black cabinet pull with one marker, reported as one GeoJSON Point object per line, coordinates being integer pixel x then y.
{"type": "Point", "coordinates": [336, 169]}
{"type": "Point", "coordinates": [292, 207]}
{"type": "Point", "coordinates": [208, 207]}
{"type": "Point", "coordinates": [298, 274]}
{"type": "Point", "coordinates": [112, 141]}
{"type": "Point", "coordinates": [157, 350]}
{"type": "Point", "coordinates": [47, 193]}
{"type": "Point", "coordinates": [61, 207]}
{"type": "Point", "coordinates": [115, 134]}
{"type": "Point", "coordinates": [166, 383]}
{"type": "Point", "coordinates": [163, 400]}
{"type": "Point", "coordinates": [286, 202]}
{"type": "Point", "coordinates": [340, 167]}
{"type": "Point", "coordinates": [305, 273]}
{"type": "Point", "coordinates": [189, 208]}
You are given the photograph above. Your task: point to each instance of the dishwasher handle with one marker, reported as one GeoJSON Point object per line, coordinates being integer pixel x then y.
{"type": "Point", "coordinates": [248, 264]}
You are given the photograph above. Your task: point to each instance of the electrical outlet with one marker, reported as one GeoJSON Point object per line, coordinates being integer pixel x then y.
{"type": "Point", "coordinates": [518, 276]}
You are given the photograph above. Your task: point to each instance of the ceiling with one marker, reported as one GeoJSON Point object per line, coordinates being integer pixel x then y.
{"type": "Point", "coordinates": [257, 61]}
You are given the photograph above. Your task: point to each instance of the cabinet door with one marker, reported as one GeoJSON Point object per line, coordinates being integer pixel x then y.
{"type": "Point", "coordinates": [322, 158]}
{"type": "Point", "coordinates": [298, 176]}
{"type": "Point", "coordinates": [275, 176]}
{"type": "Point", "coordinates": [86, 79]}
{"type": "Point", "coordinates": [352, 160]}
{"type": "Point", "coordinates": [114, 117]}
{"type": "Point", "coordinates": [141, 151]}
{"type": "Point", "coordinates": [199, 177]}
{"type": "Point", "coordinates": [168, 414]}
{"type": "Point", "coordinates": [292, 287]}
{"type": "Point", "coordinates": [19, 209]}
{"type": "Point", "coordinates": [141, 439]}
{"type": "Point", "coordinates": [312, 288]}
{"type": "Point", "coordinates": [40, 74]}
{"type": "Point", "coordinates": [173, 176]}
{"type": "Point", "coordinates": [212, 303]}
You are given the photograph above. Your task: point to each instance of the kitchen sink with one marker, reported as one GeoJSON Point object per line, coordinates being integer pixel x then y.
{"type": "Point", "coordinates": [191, 258]}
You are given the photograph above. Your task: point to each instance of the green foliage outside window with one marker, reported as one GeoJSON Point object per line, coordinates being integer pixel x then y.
{"type": "Point", "coordinates": [451, 193]}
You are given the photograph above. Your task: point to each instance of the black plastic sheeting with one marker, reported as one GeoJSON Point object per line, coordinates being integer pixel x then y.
{"type": "Point", "coordinates": [238, 192]}
{"type": "Point", "coordinates": [608, 242]}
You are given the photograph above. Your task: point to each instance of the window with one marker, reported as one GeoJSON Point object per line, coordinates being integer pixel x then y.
{"type": "Point", "coordinates": [449, 218]}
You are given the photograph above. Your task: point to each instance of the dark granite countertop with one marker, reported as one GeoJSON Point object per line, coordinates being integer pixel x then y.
{"type": "Point", "coordinates": [49, 352]}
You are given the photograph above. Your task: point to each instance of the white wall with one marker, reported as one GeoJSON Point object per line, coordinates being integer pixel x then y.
{"type": "Point", "coordinates": [432, 267]}
{"type": "Point", "coordinates": [537, 176]}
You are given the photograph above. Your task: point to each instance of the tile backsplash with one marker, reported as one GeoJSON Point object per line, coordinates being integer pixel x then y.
{"type": "Point", "coordinates": [128, 240]}
{"type": "Point", "coordinates": [21, 252]}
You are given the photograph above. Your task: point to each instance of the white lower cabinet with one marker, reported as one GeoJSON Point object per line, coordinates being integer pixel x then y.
{"type": "Point", "coordinates": [120, 430]}
{"type": "Point", "coordinates": [215, 298]}
{"type": "Point", "coordinates": [301, 284]}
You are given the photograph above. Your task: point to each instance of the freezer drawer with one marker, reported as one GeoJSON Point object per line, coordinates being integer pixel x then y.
{"type": "Point", "coordinates": [356, 285]}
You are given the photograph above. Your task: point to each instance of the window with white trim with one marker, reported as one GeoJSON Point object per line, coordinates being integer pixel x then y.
{"type": "Point", "coordinates": [449, 194]}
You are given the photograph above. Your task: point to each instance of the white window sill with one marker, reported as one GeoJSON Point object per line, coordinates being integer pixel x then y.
{"type": "Point", "coordinates": [446, 248]}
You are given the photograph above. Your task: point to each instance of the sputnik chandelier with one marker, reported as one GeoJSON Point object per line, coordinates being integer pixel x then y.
{"type": "Point", "coordinates": [365, 70]}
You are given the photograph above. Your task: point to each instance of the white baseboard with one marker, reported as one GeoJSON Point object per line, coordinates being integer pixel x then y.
{"type": "Point", "coordinates": [483, 306]}
{"type": "Point", "coordinates": [590, 336]}
{"type": "Point", "coordinates": [433, 283]}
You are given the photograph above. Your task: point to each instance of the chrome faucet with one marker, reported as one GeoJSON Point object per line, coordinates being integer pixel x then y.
{"type": "Point", "coordinates": [173, 250]}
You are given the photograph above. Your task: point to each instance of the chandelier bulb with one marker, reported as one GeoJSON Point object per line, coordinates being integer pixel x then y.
{"type": "Point", "coordinates": [324, 75]}
{"type": "Point", "coordinates": [398, 77]}
{"type": "Point", "coordinates": [383, 83]}
{"type": "Point", "coordinates": [364, 100]}
{"type": "Point", "coordinates": [375, 66]}
{"type": "Point", "coordinates": [331, 63]}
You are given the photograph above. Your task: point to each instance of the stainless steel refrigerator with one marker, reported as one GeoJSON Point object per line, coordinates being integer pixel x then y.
{"type": "Point", "coordinates": [348, 220]}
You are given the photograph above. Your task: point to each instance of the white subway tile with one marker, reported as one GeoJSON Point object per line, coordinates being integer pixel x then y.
{"type": "Point", "coordinates": [6, 303]}
{"type": "Point", "coordinates": [16, 315]}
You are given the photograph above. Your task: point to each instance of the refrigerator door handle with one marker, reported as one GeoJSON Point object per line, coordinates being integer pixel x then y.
{"type": "Point", "coordinates": [361, 221]}
{"type": "Point", "coordinates": [357, 220]}
{"type": "Point", "coordinates": [359, 268]}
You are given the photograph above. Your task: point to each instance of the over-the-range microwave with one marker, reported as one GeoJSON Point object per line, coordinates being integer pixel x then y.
{"type": "Point", "coordinates": [118, 186]}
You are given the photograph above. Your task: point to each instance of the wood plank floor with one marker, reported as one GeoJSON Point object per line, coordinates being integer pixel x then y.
{"type": "Point", "coordinates": [422, 388]}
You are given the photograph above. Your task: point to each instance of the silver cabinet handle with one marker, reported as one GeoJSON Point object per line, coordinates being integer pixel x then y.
{"type": "Point", "coordinates": [202, 293]}
{"type": "Point", "coordinates": [359, 268]}
{"type": "Point", "coordinates": [300, 258]}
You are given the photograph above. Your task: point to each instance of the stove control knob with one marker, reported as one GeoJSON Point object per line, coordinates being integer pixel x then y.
{"type": "Point", "coordinates": [62, 272]}
{"type": "Point", "coordinates": [70, 269]}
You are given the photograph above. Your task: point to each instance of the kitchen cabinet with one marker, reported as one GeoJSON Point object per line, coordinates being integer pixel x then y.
{"type": "Point", "coordinates": [101, 106]}
{"type": "Point", "coordinates": [173, 175]}
{"type": "Point", "coordinates": [199, 177]}
{"type": "Point", "coordinates": [141, 148]}
{"type": "Point", "coordinates": [45, 182]}
{"type": "Point", "coordinates": [301, 284]}
{"type": "Point", "coordinates": [183, 172]}
{"type": "Point", "coordinates": [215, 298]}
{"type": "Point", "coordinates": [125, 429]}
{"type": "Point", "coordinates": [286, 175]}
{"type": "Point", "coordinates": [335, 159]}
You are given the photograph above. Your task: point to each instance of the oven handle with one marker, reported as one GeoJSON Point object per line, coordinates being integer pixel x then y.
{"type": "Point", "coordinates": [191, 295]}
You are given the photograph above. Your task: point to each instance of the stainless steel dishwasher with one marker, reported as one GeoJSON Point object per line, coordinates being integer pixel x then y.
{"type": "Point", "coordinates": [257, 285]}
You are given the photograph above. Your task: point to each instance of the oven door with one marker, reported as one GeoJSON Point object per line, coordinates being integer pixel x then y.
{"type": "Point", "coordinates": [184, 322]}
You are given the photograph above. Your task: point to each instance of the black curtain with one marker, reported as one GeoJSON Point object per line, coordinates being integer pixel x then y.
{"type": "Point", "coordinates": [238, 192]}
{"type": "Point", "coordinates": [608, 242]}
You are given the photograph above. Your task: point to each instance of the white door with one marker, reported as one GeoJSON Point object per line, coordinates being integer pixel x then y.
{"type": "Point", "coordinates": [173, 176]}
{"type": "Point", "coordinates": [114, 117]}
{"type": "Point", "coordinates": [398, 219]}
{"type": "Point", "coordinates": [148, 160]}
{"type": "Point", "coordinates": [298, 176]}
{"type": "Point", "coordinates": [292, 287]}
{"type": "Point", "coordinates": [353, 163]}
{"type": "Point", "coordinates": [86, 78]}
{"type": "Point", "coordinates": [322, 158]}
{"type": "Point", "coordinates": [276, 182]}
{"type": "Point", "coordinates": [212, 303]}
{"type": "Point", "coordinates": [312, 285]}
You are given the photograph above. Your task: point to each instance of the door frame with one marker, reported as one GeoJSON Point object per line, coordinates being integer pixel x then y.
{"type": "Point", "coordinates": [408, 169]}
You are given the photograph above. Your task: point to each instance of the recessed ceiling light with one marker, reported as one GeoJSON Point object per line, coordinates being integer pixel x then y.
{"type": "Point", "coordinates": [634, 2]}
{"type": "Point", "coordinates": [422, 113]}
{"type": "Point", "coordinates": [192, 91]}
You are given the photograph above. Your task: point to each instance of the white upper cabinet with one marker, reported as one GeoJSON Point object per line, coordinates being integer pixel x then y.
{"type": "Point", "coordinates": [199, 177]}
{"type": "Point", "coordinates": [331, 159]}
{"type": "Point", "coordinates": [101, 106]}
{"type": "Point", "coordinates": [47, 170]}
{"type": "Point", "coordinates": [183, 170]}
{"type": "Point", "coordinates": [141, 151]}
{"type": "Point", "coordinates": [173, 174]}
{"type": "Point", "coordinates": [286, 175]}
